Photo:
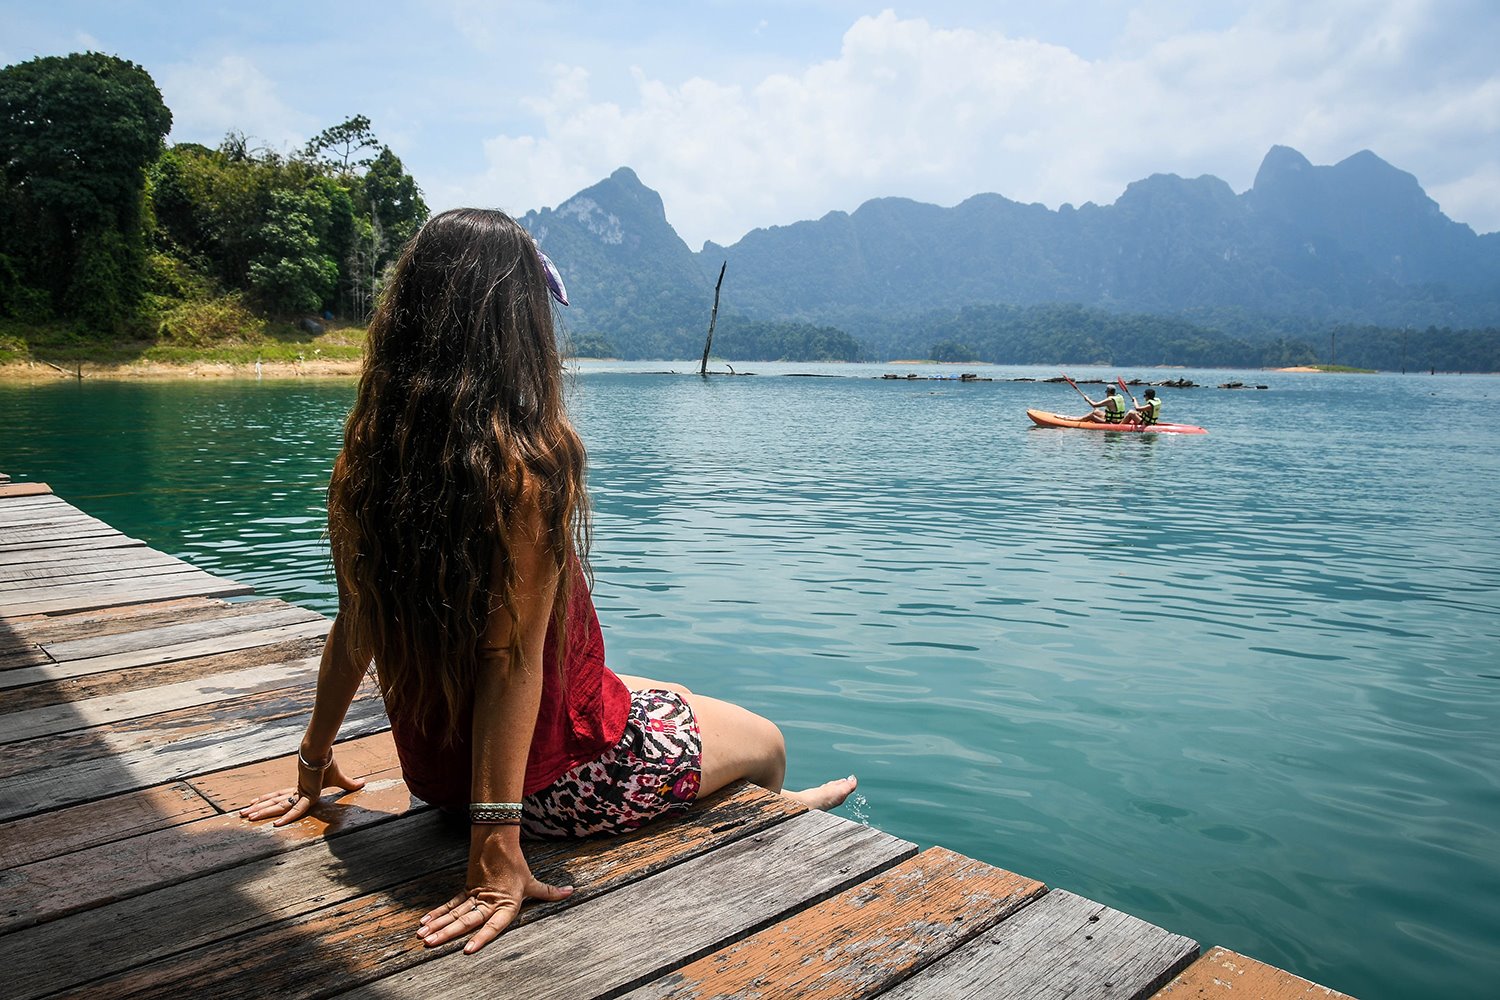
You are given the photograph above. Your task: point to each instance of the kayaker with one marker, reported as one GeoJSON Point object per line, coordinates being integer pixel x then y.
{"type": "Point", "coordinates": [1148, 413]}
{"type": "Point", "coordinates": [1109, 410]}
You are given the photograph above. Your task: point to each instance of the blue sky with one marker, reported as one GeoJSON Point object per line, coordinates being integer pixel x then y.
{"type": "Point", "coordinates": [746, 114]}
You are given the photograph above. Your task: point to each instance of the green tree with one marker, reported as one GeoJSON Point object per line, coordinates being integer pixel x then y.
{"type": "Point", "coordinates": [952, 350]}
{"type": "Point", "coordinates": [340, 145]}
{"type": "Point", "coordinates": [393, 198]}
{"type": "Point", "coordinates": [292, 273]}
{"type": "Point", "coordinates": [77, 133]}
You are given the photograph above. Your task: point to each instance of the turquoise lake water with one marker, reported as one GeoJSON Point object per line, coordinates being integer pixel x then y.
{"type": "Point", "coordinates": [1245, 686]}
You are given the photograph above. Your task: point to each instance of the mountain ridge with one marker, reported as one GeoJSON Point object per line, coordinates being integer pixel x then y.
{"type": "Point", "coordinates": [1306, 246]}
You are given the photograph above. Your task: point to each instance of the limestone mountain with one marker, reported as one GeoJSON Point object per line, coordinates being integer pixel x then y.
{"type": "Point", "coordinates": [1306, 246]}
{"type": "Point", "coordinates": [630, 277]}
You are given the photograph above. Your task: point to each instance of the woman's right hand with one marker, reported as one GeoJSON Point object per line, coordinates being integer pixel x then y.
{"type": "Point", "coordinates": [287, 805]}
{"type": "Point", "coordinates": [499, 882]}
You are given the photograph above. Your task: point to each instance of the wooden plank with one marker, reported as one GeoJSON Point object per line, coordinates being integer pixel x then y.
{"type": "Point", "coordinates": [1223, 973]}
{"type": "Point", "coordinates": [1060, 946]}
{"type": "Point", "coordinates": [63, 955]}
{"type": "Point", "coordinates": [20, 656]}
{"type": "Point", "coordinates": [236, 787]}
{"type": "Point", "coordinates": [311, 921]}
{"type": "Point", "coordinates": [45, 498]}
{"type": "Point", "coordinates": [83, 597]}
{"type": "Point", "coordinates": [125, 756]}
{"type": "Point", "coordinates": [63, 831]}
{"type": "Point", "coordinates": [121, 560]}
{"type": "Point", "coordinates": [16, 538]}
{"type": "Point", "coordinates": [71, 574]}
{"type": "Point", "coordinates": [73, 715]}
{"type": "Point", "coordinates": [269, 616]}
{"type": "Point", "coordinates": [132, 617]}
{"type": "Point", "coordinates": [57, 887]}
{"type": "Point", "coordinates": [63, 551]}
{"type": "Point", "coordinates": [8, 490]}
{"type": "Point", "coordinates": [138, 678]}
{"type": "Point", "coordinates": [314, 628]}
{"type": "Point", "coordinates": [861, 941]}
{"type": "Point", "coordinates": [119, 817]}
{"type": "Point", "coordinates": [72, 547]}
{"type": "Point", "coordinates": [41, 517]}
{"type": "Point", "coordinates": [669, 919]}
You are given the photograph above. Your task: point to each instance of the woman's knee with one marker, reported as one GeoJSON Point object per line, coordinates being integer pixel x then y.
{"type": "Point", "coordinates": [737, 743]}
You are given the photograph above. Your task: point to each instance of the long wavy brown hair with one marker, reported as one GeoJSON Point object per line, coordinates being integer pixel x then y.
{"type": "Point", "coordinates": [459, 417]}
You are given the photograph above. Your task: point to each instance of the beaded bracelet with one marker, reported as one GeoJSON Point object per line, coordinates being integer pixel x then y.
{"type": "Point", "coordinates": [500, 813]}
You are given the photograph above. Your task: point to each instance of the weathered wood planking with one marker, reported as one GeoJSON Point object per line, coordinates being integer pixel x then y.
{"type": "Point", "coordinates": [1060, 946]}
{"type": "Point", "coordinates": [1223, 973]}
{"type": "Point", "coordinates": [12, 539]}
{"type": "Point", "coordinates": [349, 916]}
{"type": "Point", "coordinates": [72, 574]}
{"type": "Point", "coordinates": [118, 817]}
{"type": "Point", "coordinates": [371, 936]}
{"type": "Point", "coordinates": [131, 618]}
{"type": "Point", "coordinates": [14, 490]}
{"type": "Point", "coordinates": [53, 551]}
{"type": "Point", "coordinates": [122, 757]}
{"type": "Point", "coordinates": [53, 888]}
{"type": "Point", "coordinates": [103, 821]}
{"type": "Point", "coordinates": [224, 626]}
{"type": "Point", "coordinates": [62, 718]}
{"type": "Point", "coordinates": [139, 678]}
{"type": "Point", "coordinates": [294, 626]}
{"type": "Point", "coordinates": [84, 597]}
{"type": "Point", "coordinates": [667, 920]}
{"type": "Point", "coordinates": [863, 940]}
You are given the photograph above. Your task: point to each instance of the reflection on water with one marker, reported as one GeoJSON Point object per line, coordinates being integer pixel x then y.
{"type": "Point", "coordinates": [1240, 685]}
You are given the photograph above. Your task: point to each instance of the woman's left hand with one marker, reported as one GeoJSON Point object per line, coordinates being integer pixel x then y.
{"type": "Point", "coordinates": [287, 805]}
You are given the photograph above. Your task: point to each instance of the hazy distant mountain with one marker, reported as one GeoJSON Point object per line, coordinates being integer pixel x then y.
{"type": "Point", "coordinates": [1358, 242]}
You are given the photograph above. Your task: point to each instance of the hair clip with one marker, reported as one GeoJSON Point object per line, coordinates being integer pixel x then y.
{"type": "Point", "coordinates": [554, 277]}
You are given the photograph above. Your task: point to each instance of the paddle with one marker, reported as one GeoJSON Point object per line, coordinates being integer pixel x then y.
{"type": "Point", "coordinates": [1076, 389]}
{"type": "Point", "coordinates": [1126, 391]}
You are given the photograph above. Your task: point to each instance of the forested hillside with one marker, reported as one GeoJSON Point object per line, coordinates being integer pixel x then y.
{"type": "Point", "coordinates": [114, 235]}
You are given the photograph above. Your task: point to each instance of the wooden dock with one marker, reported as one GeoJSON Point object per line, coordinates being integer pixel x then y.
{"type": "Point", "coordinates": [139, 709]}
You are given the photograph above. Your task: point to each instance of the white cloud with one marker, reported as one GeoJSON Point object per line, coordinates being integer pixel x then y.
{"type": "Point", "coordinates": [938, 114]}
{"type": "Point", "coordinates": [206, 95]}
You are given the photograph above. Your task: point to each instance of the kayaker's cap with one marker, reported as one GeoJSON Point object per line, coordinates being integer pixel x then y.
{"type": "Point", "coordinates": [1150, 393]}
{"type": "Point", "coordinates": [1109, 390]}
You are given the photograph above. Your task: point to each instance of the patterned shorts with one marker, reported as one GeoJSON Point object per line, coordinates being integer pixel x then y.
{"type": "Point", "coordinates": [654, 768]}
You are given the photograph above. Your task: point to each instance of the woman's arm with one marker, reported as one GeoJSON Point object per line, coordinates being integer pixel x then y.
{"type": "Point", "coordinates": [507, 697]}
{"type": "Point", "coordinates": [339, 676]}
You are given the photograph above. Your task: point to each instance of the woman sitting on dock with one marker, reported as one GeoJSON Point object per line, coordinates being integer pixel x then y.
{"type": "Point", "coordinates": [459, 528]}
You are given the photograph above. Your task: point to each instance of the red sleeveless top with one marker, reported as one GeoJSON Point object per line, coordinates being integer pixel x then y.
{"type": "Point", "coordinates": [580, 717]}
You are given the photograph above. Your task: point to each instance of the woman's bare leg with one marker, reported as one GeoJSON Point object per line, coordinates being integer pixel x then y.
{"type": "Point", "coordinates": [635, 683]}
{"type": "Point", "coordinates": [737, 744]}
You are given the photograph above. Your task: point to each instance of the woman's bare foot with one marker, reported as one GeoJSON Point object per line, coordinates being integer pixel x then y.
{"type": "Point", "coordinates": [828, 795]}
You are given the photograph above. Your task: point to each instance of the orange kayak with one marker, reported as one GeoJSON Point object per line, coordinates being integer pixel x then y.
{"type": "Point", "coordinates": [1044, 419]}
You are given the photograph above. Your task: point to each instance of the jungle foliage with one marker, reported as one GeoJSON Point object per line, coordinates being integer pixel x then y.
{"type": "Point", "coordinates": [106, 229]}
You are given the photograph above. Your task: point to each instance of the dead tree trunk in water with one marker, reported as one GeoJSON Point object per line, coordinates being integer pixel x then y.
{"type": "Point", "coordinates": [712, 319]}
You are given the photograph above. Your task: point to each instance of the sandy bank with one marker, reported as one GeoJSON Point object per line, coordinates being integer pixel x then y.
{"type": "Point", "coordinates": [157, 371]}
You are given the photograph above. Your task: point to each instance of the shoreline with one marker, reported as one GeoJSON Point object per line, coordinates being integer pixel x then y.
{"type": "Point", "coordinates": [157, 371]}
{"type": "Point", "coordinates": [23, 372]}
